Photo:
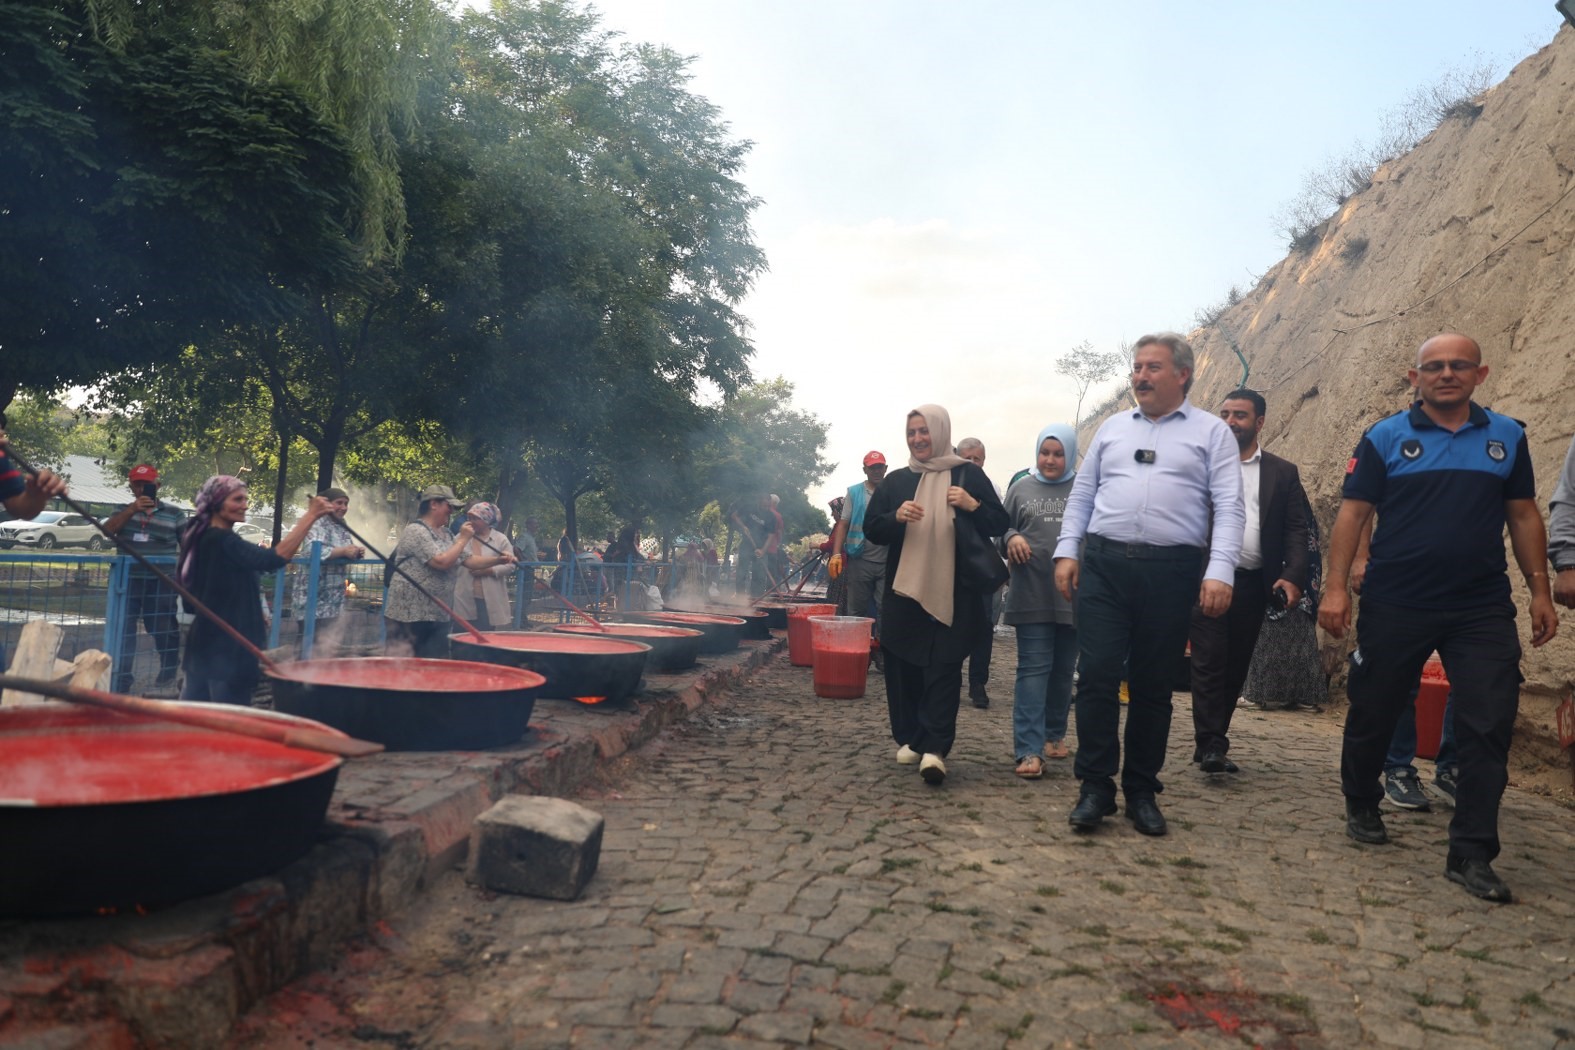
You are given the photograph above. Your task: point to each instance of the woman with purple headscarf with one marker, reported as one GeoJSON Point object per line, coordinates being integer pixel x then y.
{"type": "Point", "coordinates": [222, 570]}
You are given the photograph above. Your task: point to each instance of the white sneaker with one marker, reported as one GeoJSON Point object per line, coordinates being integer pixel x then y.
{"type": "Point", "coordinates": [932, 769]}
{"type": "Point", "coordinates": [906, 756]}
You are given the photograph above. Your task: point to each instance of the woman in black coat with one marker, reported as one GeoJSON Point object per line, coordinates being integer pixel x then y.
{"type": "Point", "coordinates": [930, 619]}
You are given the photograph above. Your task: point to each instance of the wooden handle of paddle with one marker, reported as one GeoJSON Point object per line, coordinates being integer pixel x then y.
{"type": "Point", "coordinates": [218, 720]}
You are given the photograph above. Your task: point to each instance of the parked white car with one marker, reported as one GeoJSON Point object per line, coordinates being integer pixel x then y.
{"type": "Point", "coordinates": [51, 529]}
{"type": "Point", "coordinates": [253, 533]}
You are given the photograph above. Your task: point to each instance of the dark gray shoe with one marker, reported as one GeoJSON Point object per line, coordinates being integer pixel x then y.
{"type": "Point", "coordinates": [1363, 824]}
{"type": "Point", "coordinates": [1404, 790]}
{"type": "Point", "coordinates": [1444, 780]}
{"type": "Point", "coordinates": [1478, 877]}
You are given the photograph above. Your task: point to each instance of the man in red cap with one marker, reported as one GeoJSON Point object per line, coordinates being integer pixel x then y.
{"type": "Point", "coordinates": [851, 551]}
{"type": "Point", "coordinates": [148, 526]}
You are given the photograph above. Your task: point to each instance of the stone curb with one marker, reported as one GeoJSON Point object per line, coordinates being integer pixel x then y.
{"type": "Point", "coordinates": [182, 977]}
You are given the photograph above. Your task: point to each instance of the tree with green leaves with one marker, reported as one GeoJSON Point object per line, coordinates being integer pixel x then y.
{"type": "Point", "coordinates": [148, 195]}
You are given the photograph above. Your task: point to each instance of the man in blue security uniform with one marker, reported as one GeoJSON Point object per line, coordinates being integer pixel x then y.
{"type": "Point", "coordinates": [1445, 477]}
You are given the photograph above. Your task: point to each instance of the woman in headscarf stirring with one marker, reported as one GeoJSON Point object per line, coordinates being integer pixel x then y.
{"type": "Point", "coordinates": [930, 619]}
{"type": "Point", "coordinates": [1046, 637]}
{"type": "Point", "coordinates": [222, 570]}
{"type": "Point", "coordinates": [483, 598]}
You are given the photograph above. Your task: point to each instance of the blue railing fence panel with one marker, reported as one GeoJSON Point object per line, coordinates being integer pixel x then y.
{"type": "Point", "coordinates": [107, 602]}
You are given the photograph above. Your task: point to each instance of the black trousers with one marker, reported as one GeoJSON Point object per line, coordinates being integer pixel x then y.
{"type": "Point", "coordinates": [1134, 603]}
{"type": "Point", "coordinates": [984, 648]}
{"type": "Point", "coordinates": [1221, 653]}
{"type": "Point", "coordinates": [922, 703]}
{"type": "Point", "coordinates": [1481, 653]}
{"type": "Point", "coordinates": [427, 639]}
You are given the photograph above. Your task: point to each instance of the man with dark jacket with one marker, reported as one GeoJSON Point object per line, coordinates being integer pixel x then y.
{"type": "Point", "coordinates": [1272, 568]}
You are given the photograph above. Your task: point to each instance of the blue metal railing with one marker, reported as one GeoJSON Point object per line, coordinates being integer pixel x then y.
{"type": "Point", "coordinates": [105, 601]}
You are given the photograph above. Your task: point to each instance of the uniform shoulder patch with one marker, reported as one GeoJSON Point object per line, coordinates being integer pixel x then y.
{"type": "Point", "coordinates": [1350, 465]}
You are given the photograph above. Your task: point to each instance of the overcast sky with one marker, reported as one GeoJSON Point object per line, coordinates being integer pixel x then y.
{"type": "Point", "coordinates": [955, 194]}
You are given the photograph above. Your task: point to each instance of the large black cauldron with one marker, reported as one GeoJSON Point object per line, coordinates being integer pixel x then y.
{"type": "Point", "coordinates": [587, 668]}
{"type": "Point", "coordinates": [102, 811]}
{"type": "Point", "coordinates": [409, 703]}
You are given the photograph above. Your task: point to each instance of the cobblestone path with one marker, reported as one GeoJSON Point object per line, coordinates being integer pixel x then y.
{"type": "Point", "coordinates": [770, 877]}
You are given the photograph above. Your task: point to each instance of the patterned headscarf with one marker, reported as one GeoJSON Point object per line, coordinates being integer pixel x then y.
{"type": "Point", "coordinates": [487, 513]}
{"type": "Point", "coordinates": [210, 498]}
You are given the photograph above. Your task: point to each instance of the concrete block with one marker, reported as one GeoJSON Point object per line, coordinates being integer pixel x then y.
{"type": "Point", "coordinates": [538, 846]}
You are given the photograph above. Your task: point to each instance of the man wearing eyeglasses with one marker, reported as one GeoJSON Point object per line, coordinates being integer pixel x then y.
{"type": "Point", "coordinates": [1153, 526]}
{"type": "Point", "coordinates": [1445, 477]}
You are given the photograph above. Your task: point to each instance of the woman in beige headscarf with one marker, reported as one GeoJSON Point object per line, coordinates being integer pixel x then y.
{"type": "Point", "coordinates": [930, 620]}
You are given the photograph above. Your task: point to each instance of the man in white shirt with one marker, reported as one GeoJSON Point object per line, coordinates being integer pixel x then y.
{"type": "Point", "coordinates": [1156, 508]}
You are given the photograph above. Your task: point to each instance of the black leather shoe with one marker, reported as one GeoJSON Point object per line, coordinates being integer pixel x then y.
{"type": "Point", "coordinates": [1478, 877]}
{"type": "Point", "coordinates": [1145, 816]}
{"type": "Point", "coordinates": [1363, 824]}
{"type": "Point", "coordinates": [1091, 809]}
{"type": "Point", "coordinates": [979, 697]}
{"type": "Point", "coordinates": [1216, 762]}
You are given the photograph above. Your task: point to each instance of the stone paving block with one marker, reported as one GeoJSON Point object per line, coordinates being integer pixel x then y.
{"type": "Point", "coordinates": [540, 847]}
{"type": "Point", "coordinates": [777, 1028]}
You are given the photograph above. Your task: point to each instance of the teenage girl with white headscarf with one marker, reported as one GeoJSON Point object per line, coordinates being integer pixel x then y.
{"type": "Point", "coordinates": [930, 620]}
{"type": "Point", "coordinates": [1046, 637]}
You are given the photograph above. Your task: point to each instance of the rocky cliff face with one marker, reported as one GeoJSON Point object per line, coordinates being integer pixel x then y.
{"type": "Point", "coordinates": [1471, 231]}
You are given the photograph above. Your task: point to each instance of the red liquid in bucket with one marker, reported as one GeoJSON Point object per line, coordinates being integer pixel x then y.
{"type": "Point", "coordinates": [800, 643]}
{"type": "Point", "coordinates": [840, 673]}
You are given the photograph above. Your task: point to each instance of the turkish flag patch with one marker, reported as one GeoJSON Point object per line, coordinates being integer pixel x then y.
{"type": "Point", "coordinates": [1350, 466]}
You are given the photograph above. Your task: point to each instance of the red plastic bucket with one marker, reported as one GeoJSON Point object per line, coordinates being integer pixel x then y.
{"type": "Point", "coordinates": [799, 644]}
{"type": "Point", "coordinates": [1431, 696]}
{"type": "Point", "coordinates": [840, 654]}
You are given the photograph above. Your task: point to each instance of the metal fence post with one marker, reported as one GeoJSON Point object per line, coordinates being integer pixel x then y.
{"type": "Point", "coordinates": [115, 618]}
{"type": "Point", "coordinates": [314, 566]}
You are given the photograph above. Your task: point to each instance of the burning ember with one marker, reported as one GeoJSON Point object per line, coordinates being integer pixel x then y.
{"type": "Point", "coordinates": [588, 700]}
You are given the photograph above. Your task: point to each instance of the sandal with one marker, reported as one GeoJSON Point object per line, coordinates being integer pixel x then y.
{"type": "Point", "coordinates": [1031, 768]}
{"type": "Point", "coordinates": [1057, 749]}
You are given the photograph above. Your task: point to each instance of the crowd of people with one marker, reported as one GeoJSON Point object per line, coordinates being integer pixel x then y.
{"type": "Point", "coordinates": [1178, 533]}
{"type": "Point", "coordinates": [1175, 533]}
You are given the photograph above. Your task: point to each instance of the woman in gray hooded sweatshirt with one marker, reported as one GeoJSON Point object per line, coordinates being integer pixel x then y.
{"type": "Point", "coordinates": [1046, 637]}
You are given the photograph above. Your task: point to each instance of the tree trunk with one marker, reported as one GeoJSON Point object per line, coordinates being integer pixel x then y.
{"type": "Point", "coordinates": [571, 523]}
{"type": "Point", "coordinates": [279, 485]}
{"type": "Point", "coordinates": [328, 450]}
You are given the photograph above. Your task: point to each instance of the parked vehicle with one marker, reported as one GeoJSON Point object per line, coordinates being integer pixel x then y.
{"type": "Point", "coordinates": [51, 529]}
{"type": "Point", "coordinates": [254, 533]}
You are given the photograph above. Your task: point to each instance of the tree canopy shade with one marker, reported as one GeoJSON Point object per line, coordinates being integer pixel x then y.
{"type": "Point", "coordinates": [147, 197]}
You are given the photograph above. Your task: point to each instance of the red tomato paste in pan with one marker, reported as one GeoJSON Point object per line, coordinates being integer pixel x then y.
{"type": "Point", "coordinates": [410, 674]}
{"type": "Point", "coordinates": [65, 757]}
{"type": "Point", "coordinates": [542, 642]}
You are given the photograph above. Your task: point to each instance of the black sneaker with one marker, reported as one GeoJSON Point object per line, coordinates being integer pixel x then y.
{"type": "Point", "coordinates": [979, 697]}
{"type": "Point", "coordinates": [1444, 780]}
{"type": "Point", "coordinates": [1404, 790]}
{"type": "Point", "coordinates": [1478, 877]}
{"type": "Point", "coordinates": [1363, 823]}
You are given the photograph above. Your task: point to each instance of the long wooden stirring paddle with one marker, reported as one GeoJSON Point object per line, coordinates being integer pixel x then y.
{"type": "Point", "coordinates": [218, 720]}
